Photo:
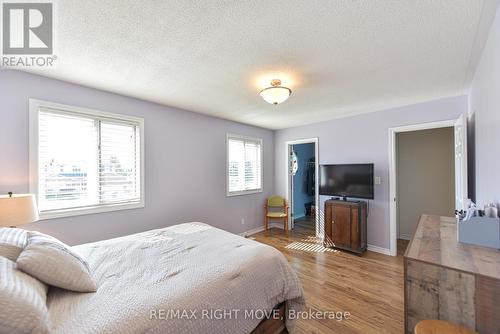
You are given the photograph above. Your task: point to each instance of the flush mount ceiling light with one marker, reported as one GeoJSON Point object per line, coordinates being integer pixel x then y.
{"type": "Point", "coordinates": [276, 93]}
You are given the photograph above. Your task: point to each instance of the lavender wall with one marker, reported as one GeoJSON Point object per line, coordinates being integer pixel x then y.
{"type": "Point", "coordinates": [185, 162]}
{"type": "Point", "coordinates": [485, 110]}
{"type": "Point", "coordinates": [361, 139]}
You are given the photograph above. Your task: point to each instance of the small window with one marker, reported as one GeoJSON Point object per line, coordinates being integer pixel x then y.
{"type": "Point", "coordinates": [244, 165]}
{"type": "Point", "coordinates": [84, 161]}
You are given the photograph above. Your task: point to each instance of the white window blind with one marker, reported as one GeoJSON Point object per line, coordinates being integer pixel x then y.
{"type": "Point", "coordinates": [87, 161]}
{"type": "Point", "coordinates": [244, 165]}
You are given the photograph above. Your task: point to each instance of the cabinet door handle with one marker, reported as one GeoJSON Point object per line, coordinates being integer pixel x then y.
{"type": "Point", "coordinates": [333, 221]}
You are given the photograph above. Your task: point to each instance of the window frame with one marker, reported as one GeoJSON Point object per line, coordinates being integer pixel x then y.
{"type": "Point", "coordinates": [250, 191]}
{"type": "Point", "coordinates": [34, 113]}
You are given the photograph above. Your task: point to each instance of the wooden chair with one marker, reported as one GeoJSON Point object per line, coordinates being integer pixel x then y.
{"type": "Point", "coordinates": [441, 327]}
{"type": "Point", "coordinates": [276, 202]}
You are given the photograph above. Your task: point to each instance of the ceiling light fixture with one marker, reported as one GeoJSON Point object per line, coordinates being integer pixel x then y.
{"type": "Point", "coordinates": [276, 93]}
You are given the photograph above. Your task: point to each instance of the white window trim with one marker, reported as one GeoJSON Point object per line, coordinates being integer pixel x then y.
{"type": "Point", "coordinates": [34, 106]}
{"type": "Point", "coordinates": [244, 192]}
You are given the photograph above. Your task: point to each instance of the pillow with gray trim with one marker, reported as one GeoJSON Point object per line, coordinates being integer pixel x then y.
{"type": "Point", "coordinates": [23, 301]}
{"type": "Point", "coordinates": [55, 263]}
{"type": "Point", "coordinates": [12, 242]}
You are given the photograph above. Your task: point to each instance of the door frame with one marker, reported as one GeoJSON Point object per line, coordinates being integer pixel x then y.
{"type": "Point", "coordinates": [288, 182]}
{"type": "Point", "coordinates": [393, 221]}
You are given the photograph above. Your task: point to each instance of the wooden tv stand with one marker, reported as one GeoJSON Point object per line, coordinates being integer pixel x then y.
{"type": "Point", "coordinates": [345, 225]}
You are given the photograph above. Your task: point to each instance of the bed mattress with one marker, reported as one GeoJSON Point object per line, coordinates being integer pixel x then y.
{"type": "Point", "coordinates": [187, 278]}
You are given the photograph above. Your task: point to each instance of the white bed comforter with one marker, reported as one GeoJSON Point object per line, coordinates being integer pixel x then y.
{"type": "Point", "coordinates": [180, 279]}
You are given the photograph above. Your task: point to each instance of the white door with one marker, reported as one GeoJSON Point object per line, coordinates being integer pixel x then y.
{"type": "Point", "coordinates": [461, 193]}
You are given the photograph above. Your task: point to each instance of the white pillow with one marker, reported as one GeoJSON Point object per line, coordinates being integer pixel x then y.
{"type": "Point", "coordinates": [12, 242]}
{"type": "Point", "coordinates": [23, 301]}
{"type": "Point", "coordinates": [55, 263]}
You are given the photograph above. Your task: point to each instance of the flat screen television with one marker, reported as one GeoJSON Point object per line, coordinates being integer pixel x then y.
{"type": "Point", "coordinates": [349, 180]}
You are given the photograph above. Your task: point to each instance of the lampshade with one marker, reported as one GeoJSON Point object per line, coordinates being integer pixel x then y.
{"type": "Point", "coordinates": [18, 209]}
{"type": "Point", "coordinates": [276, 93]}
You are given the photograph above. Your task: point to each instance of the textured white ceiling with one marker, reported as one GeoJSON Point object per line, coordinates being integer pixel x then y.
{"type": "Point", "coordinates": [340, 57]}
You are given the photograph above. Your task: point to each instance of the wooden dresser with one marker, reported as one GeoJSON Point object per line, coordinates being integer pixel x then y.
{"type": "Point", "coordinates": [345, 225]}
{"type": "Point", "coordinates": [451, 281]}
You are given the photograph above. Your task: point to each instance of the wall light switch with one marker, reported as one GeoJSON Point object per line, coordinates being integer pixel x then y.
{"type": "Point", "coordinates": [378, 180]}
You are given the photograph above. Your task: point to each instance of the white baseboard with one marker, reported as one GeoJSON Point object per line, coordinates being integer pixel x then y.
{"type": "Point", "coordinates": [252, 231]}
{"type": "Point", "coordinates": [299, 216]}
{"type": "Point", "coordinates": [260, 229]}
{"type": "Point", "coordinates": [380, 250]}
{"type": "Point", "coordinates": [404, 236]}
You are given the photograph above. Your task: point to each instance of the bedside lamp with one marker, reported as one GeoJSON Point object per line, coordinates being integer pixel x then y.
{"type": "Point", "coordinates": [17, 209]}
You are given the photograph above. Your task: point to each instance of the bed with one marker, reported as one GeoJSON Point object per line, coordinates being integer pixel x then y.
{"type": "Point", "coordinates": [187, 278]}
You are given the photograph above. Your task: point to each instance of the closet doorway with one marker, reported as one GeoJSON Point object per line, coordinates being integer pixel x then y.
{"type": "Point", "coordinates": [427, 174]}
{"type": "Point", "coordinates": [302, 181]}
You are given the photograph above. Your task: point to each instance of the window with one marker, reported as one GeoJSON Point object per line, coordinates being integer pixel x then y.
{"type": "Point", "coordinates": [244, 165]}
{"type": "Point", "coordinates": [84, 161]}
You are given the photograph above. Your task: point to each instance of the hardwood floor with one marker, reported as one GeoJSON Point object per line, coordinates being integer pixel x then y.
{"type": "Point", "coordinates": [305, 223]}
{"type": "Point", "coordinates": [370, 287]}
